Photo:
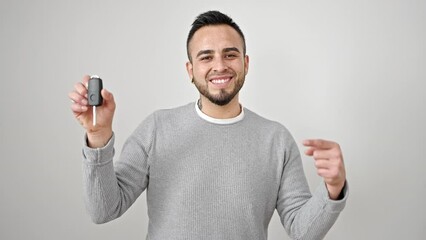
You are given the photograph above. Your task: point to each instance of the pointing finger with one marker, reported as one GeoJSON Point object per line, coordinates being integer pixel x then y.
{"type": "Point", "coordinates": [319, 143]}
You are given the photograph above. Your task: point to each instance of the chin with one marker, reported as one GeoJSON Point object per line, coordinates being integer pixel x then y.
{"type": "Point", "coordinates": [221, 100]}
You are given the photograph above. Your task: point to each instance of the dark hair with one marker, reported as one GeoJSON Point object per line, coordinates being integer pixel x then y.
{"type": "Point", "coordinates": [213, 18]}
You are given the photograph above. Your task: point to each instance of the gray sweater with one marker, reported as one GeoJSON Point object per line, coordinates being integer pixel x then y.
{"type": "Point", "coordinates": [206, 180]}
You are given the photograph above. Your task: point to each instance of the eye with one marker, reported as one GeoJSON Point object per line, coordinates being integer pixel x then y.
{"type": "Point", "coordinates": [205, 58]}
{"type": "Point", "coordinates": [230, 56]}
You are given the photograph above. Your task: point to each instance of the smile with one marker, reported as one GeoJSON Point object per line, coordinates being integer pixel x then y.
{"type": "Point", "coordinates": [220, 81]}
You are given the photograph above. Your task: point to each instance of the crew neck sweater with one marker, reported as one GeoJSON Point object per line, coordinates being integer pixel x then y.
{"type": "Point", "coordinates": [208, 179]}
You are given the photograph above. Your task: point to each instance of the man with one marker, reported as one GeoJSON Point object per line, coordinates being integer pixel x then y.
{"type": "Point", "coordinates": [212, 169]}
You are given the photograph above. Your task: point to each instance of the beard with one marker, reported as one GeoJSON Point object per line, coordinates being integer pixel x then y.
{"type": "Point", "coordinates": [223, 97]}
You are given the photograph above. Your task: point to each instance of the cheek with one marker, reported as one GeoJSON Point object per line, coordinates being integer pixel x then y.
{"type": "Point", "coordinates": [239, 66]}
{"type": "Point", "coordinates": [200, 72]}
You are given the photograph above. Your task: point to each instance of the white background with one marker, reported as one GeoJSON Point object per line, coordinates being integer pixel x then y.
{"type": "Point", "coordinates": [350, 71]}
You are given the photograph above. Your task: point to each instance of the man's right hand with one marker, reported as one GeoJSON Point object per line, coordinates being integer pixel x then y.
{"type": "Point", "coordinates": [99, 135]}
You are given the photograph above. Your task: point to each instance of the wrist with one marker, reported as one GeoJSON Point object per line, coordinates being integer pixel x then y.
{"type": "Point", "coordinates": [98, 139]}
{"type": "Point", "coordinates": [334, 191]}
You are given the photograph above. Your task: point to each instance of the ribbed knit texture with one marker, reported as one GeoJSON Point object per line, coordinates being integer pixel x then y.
{"type": "Point", "coordinates": [208, 181]}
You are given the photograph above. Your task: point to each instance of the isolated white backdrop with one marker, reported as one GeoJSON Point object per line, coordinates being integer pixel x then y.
{"type": "Point", "coordinates": [350, 71]}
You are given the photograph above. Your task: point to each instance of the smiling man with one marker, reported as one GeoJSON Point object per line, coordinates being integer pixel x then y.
{"type": "Point", "coordinates": [212, 169]}
{"type": "Point", "coordinates": [218, 67]}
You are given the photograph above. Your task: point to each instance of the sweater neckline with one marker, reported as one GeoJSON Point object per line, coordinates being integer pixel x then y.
{"type": "Point", "coordinates": [219, 121]}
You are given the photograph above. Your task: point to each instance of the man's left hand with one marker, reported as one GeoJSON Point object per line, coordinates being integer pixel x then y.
{"type": "Point", "coordinates": [329, 163]}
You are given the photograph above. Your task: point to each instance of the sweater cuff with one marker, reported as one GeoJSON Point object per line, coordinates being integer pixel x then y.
{"type": "Point", "coordinates": [98, 156]}
{"type": "Point", "coordinates": [332, 205]}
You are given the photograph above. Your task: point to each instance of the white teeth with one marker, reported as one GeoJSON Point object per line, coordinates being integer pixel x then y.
{"type": "Point", "coordinates": [219, 81]}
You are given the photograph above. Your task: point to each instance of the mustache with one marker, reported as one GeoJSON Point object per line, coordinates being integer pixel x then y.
{"type": "Point", "coordinates": [221, 74]}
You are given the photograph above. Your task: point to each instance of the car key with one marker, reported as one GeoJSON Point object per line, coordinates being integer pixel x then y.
{"type": "Point", "coordinates": [94, 94]}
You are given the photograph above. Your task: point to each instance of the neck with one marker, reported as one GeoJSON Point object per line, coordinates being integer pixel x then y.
{"type": "Point", "coordinates": [230, 110]}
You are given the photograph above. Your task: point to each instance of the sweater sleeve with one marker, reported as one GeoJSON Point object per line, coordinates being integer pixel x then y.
{"type": "Point", "coordinates": [112, 187]}
{"type": "Point", "coordinates": [305, 216]}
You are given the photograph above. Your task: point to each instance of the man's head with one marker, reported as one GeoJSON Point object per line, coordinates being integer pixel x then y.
{"type": "Point", "coordinates": [217, 57]}
{"type": "Point", "coordinates": [211, 18]}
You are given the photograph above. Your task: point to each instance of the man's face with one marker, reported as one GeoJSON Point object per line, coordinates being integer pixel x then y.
{"type": "Point", "coordinates": [218, 65]}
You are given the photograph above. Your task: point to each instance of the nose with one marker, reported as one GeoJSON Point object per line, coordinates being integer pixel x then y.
{"type": "Point", "coordinates": [219, 65]}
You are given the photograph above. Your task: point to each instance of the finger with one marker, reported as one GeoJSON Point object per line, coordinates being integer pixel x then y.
{"type": "Point", "coordinates": [85, 80]}
{"type": "Point", "coordinates": [310, 151]}
{"type": "Point", "coordinates": [77, 98]}
{"type": "Point", "coordinates": [325, 173]}
{"type": "Point", "coordinates": [319, 143]}
{"type": "Point", "coordinates": [317, 153]}
{"type": "Point", "coordinates": [327, 154]}
{"type": "Point", "coordinates": [77, 108]}
{"type": "Point", "coordinates": [331, 176]}
{"type": "Point", "coordinates": [80, 88]}
{"type": "Point", "coordinates": [322, 164]}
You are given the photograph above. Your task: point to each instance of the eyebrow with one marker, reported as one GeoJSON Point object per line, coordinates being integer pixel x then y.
{"type": "Point", "coordinates": [204, 52]}
{"type": "Point", "coordinates": [230, 49]}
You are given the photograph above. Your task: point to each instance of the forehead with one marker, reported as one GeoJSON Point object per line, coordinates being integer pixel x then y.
{"type": "Point", "coordinates": [215, 37]}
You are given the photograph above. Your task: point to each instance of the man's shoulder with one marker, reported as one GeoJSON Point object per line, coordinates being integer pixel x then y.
{"type": "Point", "coordinates": [265, 124]}
{"type": "Point", "coordinates": [175, 111]}
{"type": "Point", "coordinates": [167, 117]}
{"type": "Point", "coordinates": [265, 128]}
{"type": "Point", "coordinates": [175, 115]}
{"type": "Point", "coordinates": [252, 116]}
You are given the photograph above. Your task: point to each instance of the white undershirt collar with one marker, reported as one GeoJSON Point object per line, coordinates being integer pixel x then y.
{"type": "Point", "coordinates": [218, 120]}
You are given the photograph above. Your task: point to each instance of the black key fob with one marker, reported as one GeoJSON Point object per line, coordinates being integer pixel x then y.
{"type": "Point", "coordinates": [94, 91]}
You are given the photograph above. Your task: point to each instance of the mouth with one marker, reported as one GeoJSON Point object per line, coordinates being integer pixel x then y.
{"type": "Point", "coordinates": [221, 82]}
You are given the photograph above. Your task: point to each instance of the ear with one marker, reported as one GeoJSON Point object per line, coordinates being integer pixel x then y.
{"type": "Point", "coordinates": [189, 69]}
{"type": "Point", "coordinates": [246, 64]}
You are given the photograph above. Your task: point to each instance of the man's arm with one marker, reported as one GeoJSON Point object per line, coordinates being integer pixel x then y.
{"type": "Point", "coordinates": [112, 187]}
{"type": "Point", "coordinates": [303, 215]}
{"type": "Point", "coordinates": [109, 190]}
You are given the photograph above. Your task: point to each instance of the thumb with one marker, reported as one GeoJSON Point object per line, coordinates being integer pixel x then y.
{"type": "Point", "coordinates": [106, 94]}
{"type": "Point", "coordinates": [108, 98]}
